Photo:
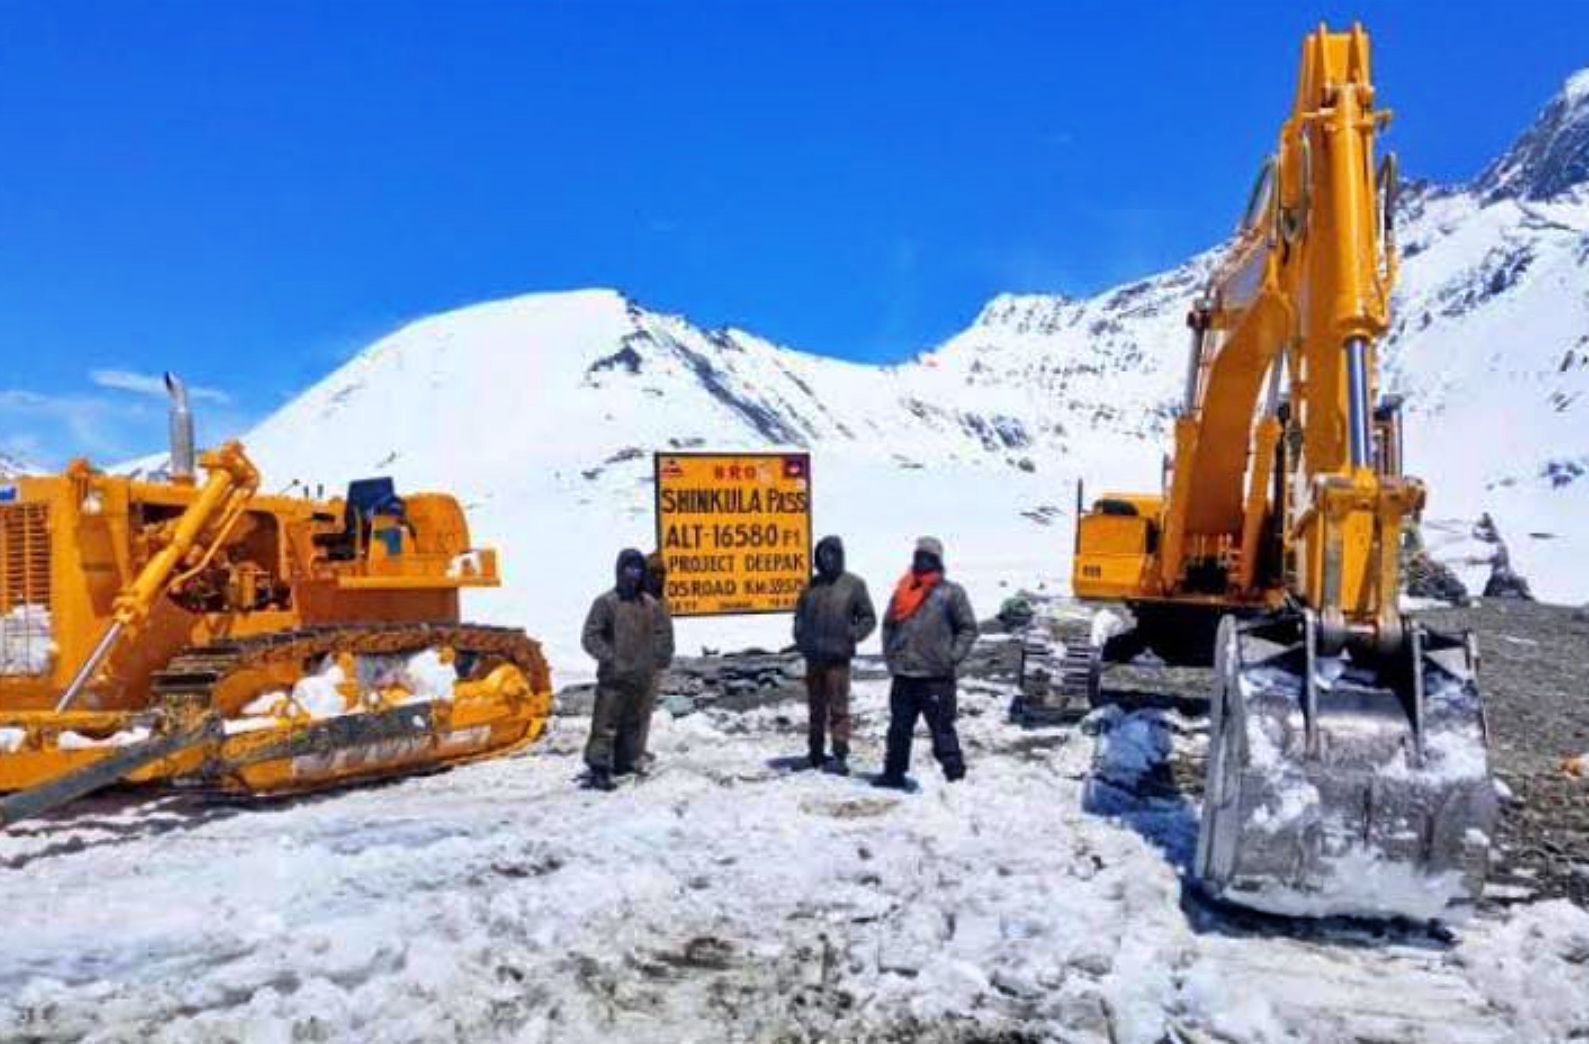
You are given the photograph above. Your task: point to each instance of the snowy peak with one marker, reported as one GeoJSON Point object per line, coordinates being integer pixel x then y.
{"type": "Point", "coordinates": [1550, 158]}
{"type": "Point", "coordinates": [10, 465]}
{"type": "Point", "coordinates": [1026, 313]}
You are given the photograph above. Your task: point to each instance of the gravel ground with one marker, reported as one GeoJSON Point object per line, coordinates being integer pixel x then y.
{"type": "Point", "coordinates": [1534, 670]}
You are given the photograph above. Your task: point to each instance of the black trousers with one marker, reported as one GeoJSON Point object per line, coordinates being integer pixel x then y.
{"type": "Point", "coordinates": [930, 698]}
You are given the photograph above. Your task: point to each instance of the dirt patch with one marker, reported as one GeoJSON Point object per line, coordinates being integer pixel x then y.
{"type": "Point", "coordinates": [849, 808]}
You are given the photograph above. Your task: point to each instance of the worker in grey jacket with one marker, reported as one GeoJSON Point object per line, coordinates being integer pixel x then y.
{"type": "Point", "coordinates": [630, 636]}
{"type": "Point", "coordinates": [833, 615]}
{"type": "Point", "coordinates": [928, 632]}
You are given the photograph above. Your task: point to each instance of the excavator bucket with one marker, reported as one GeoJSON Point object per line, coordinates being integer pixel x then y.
{"type": "Point", "coordinates": [1342, 788]}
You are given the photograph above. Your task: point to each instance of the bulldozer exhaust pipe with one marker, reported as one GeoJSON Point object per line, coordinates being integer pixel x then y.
{"type": "Point", "coordinates": [182, 453]}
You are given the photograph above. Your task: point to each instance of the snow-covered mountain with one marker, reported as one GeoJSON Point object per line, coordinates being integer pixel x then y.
{"type": "Point", "coordinates": [542, 410]}
{"type": "Point", "coordinates": [10, 465]}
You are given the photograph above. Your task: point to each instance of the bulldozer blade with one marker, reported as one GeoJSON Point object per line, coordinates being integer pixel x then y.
{"type": "Point", "coordinates": [348, 731]}
{"type": "Point", "coordinates": [1347, 789]}
{"type": "Point", "coordinates": [35, 801]}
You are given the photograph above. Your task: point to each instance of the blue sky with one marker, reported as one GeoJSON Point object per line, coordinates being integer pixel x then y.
{"type": "Point", "coordinates": [249, 192]}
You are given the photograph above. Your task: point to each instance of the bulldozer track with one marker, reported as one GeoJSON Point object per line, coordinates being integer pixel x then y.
{"type": "Point", "coordinates": [192, 676]}
{"type": "Point", "coordinates": [185, 689]}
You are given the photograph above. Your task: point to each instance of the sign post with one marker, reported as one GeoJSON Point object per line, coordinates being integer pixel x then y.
{"type": "Point", "coordinates": [734, 530]}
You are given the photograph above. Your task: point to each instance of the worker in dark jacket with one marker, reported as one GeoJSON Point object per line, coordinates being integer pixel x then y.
{"type": "Point", "coordinates": [927, 633]}
{"type": "Point", "coordinates": [630, 636]}
{"type": "Point", "coordinates": [637, 757]}
{"type": "Point", "coordinates": [833, 615]}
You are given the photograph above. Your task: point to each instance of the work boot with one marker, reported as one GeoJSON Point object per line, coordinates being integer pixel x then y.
{"type": "Point", "coordinates": [887, 781]}
{"type": "Point", "coordinates": [839, 763]}
{"type": "Point", "coordinates": [955, 773]}
{"type": "Point", "coordinates": [816, 759]}
{"type": "Point", "coordinates": [601, 779]}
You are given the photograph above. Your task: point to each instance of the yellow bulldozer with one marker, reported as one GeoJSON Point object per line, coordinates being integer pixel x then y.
{"type": "Point", "coordinates": [1347, 771]}
{"type": "Point", "coordinates": [203, 634]}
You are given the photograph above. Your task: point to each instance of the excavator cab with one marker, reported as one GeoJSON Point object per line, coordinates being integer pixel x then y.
{"type": "Point", "coordinates": [1115, 543]}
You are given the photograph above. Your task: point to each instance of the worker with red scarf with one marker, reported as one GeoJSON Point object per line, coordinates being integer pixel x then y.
{"type": "Point", "coordinates": [928, 631]}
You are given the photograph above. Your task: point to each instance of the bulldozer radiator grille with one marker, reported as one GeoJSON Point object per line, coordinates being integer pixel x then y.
{"type": "Point", "coordinates": [25, 638]}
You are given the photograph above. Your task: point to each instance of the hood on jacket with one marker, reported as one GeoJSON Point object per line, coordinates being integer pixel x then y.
{"type": "Point", "coordinates": [630, 573]}
{"type": "Point", "coordinates": [656, 575]}
{"type": "Point", "coordinates": [829, 557]}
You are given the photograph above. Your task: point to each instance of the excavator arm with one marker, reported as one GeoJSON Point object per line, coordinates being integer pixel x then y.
{"type": "Point", "coordinates": [1299, 304]}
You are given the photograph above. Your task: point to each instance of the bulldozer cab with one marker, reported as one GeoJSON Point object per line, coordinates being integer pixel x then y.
{"type": "Point", "coordinates": [373, 512]}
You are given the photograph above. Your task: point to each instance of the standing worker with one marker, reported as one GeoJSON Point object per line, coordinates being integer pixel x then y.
{"type": "Point", "coordinates": [928, 632]}
{"type": "Point", "coordinates": [832, 617]}
{"type": "Point", "coordinates": [630, 635]}
{"type": "Point", "coordinates": [637, 759]}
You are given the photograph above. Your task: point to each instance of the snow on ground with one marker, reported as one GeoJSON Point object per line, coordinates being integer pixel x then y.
{"type": "Point", "coordinates": [720, 900]}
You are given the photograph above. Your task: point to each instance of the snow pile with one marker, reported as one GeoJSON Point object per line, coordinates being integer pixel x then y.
{"type": "Point", "coordinates": [1106, 624]}
{"type": "Point", "coordinates": [1532, 968]}
{"type": "Point", "coordinates": [319, 695]}
{"type": "Point", "coordinates": [421, 678]}
{"type": "Point", "coordinates": [27, 640]}
{"type": "Point", "coordinates": [77, 741]}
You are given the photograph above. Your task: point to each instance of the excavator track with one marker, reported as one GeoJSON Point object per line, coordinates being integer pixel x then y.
{"type": "Point", "coordinates": [1061, 671]}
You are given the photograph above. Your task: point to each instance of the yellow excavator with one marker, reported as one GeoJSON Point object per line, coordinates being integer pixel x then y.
{"type": "Point", "coordinates": [1347, 771]}
{"type": "Point", "coordinates": [207, 635]}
